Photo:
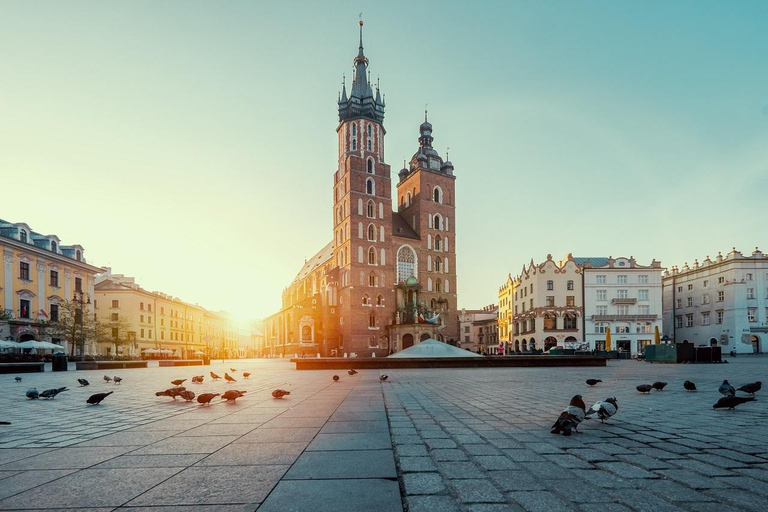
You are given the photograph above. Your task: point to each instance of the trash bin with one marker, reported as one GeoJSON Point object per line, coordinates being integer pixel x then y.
{"type": "Point", "coordinates": [206, 360]}
{"type": "Point", "coordinates": [59, 362]}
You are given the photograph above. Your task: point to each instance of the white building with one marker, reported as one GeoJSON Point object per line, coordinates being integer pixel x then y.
{"type": "Point", "coordinates": [627, 298]}
{"type": "Point", "coordinates": [547, 305]}
{"type": "Point", "coordinates": [721, 302]}
{"type": "Point", "coordinates": [478, 328]}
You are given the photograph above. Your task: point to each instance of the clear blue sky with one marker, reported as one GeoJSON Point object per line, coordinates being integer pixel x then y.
{"type": "Point", "coordinates": [191, 144]}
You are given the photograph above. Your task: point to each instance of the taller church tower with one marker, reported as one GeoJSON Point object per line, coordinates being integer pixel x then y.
{"type": "Point", "coordinates": [362, 218]}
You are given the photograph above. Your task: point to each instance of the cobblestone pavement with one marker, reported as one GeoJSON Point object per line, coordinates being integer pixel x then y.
{"type": "Point", "coordinates": [426, 440]}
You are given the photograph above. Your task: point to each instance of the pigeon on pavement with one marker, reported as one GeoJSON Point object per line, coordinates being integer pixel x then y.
{"type": "Point", "coordinates": [187, 395]}
{"type": "Point", "coordinates": [658, 385]}
{"type": "Point", "coordinates": [336, 378]}
{"type": "Point", "coordinates": [644, 388]}
{"type": "Point", "coordinates": [51, 393]}
{"type": "Point", "coordinates": [118, 380]}
{"type": "Point", "coordinates": [571, 417]}
{"type": "Point", "coordinates": [732, 401]}
{"type": "Point", "coordinates": [83, 382]}
{"type": "Point", "coordinates": [232, 395]}
{"type": "Point", "coordinates": [18, 379]}
{"type": "Point", "coordinates": [690, 386]}
{"type": "Point", "coordinates": [172, 392]}
{"type": "Point", "coordinates": [214, 376]}
{"type": "Point", "coordinates": [198, 379]}
{"type": "Point", "coordinates": [726, 389]}
{"type": "Point", "coordinates": [352, 372]}
{"type": "Point", "coordinates": [246, 375]}
{"type": "Point", "coordinates": [32, 394]}
{"type": "Point", "coordinates": [229, 378]}
{"type": "Point", "coordinates": [206, 398]}
{"type": "Point", "coordinates": [178, 382]}
{"type": "Point", "coordinates": [97, 398]}
{"type": "Point", "coordinates": [604, 409]}
{"type": "Point", "coordinates": [233, 370]}
{"type": "Point", "coordinates": [592, 382]}
{"type": "Point", "coordinates": [384, 377]}
{"type": "Point", "coordinates": [280, 393]}
{"type": "Point", "coordinates": [107, 378]}
{"type": "Point", "coordinates": [751, 388]}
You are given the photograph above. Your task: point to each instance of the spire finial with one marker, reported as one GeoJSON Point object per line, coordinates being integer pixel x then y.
{"type": "Point", "coordinates": [361, 31]}
{"type": "Point", "coordinates": [425, 112]}
{"type": "Point", "coordinates": [446, 152]}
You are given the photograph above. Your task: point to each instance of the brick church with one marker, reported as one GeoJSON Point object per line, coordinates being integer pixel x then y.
{"type": "Point", "coordinates": [387, 279]}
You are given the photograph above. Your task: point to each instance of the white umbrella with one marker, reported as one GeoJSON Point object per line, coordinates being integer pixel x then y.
{"type": "Point", "coordinates": [49, 345]}
{"type": "Point", "coordinates": [37, 344]}
{"type": "Point", "coordinates": [8, 344]}
{"type": "Point", "coordinates": [151, 351]}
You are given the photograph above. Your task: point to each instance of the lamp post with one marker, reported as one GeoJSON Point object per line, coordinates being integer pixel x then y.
{"type": "Point", "coordinates": [81, 299]}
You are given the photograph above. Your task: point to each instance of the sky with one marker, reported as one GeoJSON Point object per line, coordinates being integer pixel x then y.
{"type": "Point", "coordinates": [192, 144]}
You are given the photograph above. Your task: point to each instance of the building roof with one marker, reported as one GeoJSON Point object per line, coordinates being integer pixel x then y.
{"type": "Point", "coordinates": [401, 228]}
{"type": "Point", "coordinates": [598, 261]}
{"type": "Point", "coordinates": [433, 348]}
{"type": "Point", "coordinates": [323, 255]}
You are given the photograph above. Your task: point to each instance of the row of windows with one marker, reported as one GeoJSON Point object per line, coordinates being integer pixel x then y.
{"type": "Point", "coordinates": [642, 295]}
{"type": "Point", "coordinates": [749, 276]}
{"type": "Point", "coordinates": [437, 196]}
{"type": "Point", "coordinates": [705, 317]}
{"type": "Point", "coordinates": [53, 280]}
{"type": "Point", "coordinates": [642, 309]}
{"type": "Point", "coordinates": [369, 141]}
{"type": "Point", "coordinates": [551, 285]}
{"type": "Point", "coordinates": [621, 279]}
{"type": "Point", "coordinates": [624, 328]}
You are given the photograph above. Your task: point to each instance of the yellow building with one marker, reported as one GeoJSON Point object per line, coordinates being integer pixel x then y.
{"type": "Point", "coordinates": [142, 321]}
{"type": "Point", "coordinates": [506, 299]}
{"type": "Point", "coordinates": [38, 278]}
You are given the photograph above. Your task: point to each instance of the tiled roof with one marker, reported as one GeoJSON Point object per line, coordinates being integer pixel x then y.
{"type": "Point", "coordinates": [315, 261]}
{"type": "Point", "coordinates": [599, 261]}
{"type": "Point", "coordinates": [401, 228]}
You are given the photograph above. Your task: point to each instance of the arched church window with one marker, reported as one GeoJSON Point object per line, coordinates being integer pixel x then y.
{"type": "Point", "coordinates": [372, 279]}
{"type": "Point", "coordinates": [438, 221]}
{"type": "Point", "coordinates": [371, 256]}
{"type": "Point", "coordinates": [437, 195]}
{"type": "Point", "coordinates": [372, 319]}
{"type": "Point", "coordinates": [408, 199]}
{"type": "Point", "coordinates": [438, 264]}
{"type": "Point", "coordinates": [370, 130]}
{"type": "Point", "coordinates": [371, 233]}
{"type": "Point", "coordinates": [370, 145]}
{"type": "Point", "coordinates": [438, 286]}
{"type": "Point", "coordinates": [370, 187]}
{"type": "Point", "coordinates": [438, 243]}
{"type": "Point", "coordinates": [370, 211]}
{"type": "Point", "coordinates": [406, 263]}
{"type": "Point", "coordinates": [370, 164]}
{"type": "Point", "coordinates": [354, 130]}
{"type": "Point", "coordinates": [366, 300]}
{"type": "Point", "coordinates": [379, 300]}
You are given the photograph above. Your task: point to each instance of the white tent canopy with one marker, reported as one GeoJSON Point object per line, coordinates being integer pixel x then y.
{"type": "Point", "coordinates": [433, 348]}
{"type": "Point", "coordinates": [38, 344]}
{"type": "Point", "coordinates": [8, 344]}
{"type": "Point", "coordinates": [151, 351]}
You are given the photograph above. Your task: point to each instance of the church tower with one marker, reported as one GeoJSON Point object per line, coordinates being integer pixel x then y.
{"type": "Point", "coordinates": [426, 201]}
{"type": "Point", "coordinates": [362, 218]}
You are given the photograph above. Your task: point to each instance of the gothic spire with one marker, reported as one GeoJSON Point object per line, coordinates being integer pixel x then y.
{"type": "Point", "coordinates": [361, 101]}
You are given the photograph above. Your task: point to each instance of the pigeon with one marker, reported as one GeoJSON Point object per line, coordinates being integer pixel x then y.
{"type": "Point", "coordinates": [280, 393]}
{"type": "Point", "coordinates": [726, 389]}
{"type": "Point", "coordinates": [206, 398]}
{"type": "Point", "coordinates": [83, 382]}
{"type": "Point", "coordinates": [118, 380]}
{"type": "Point", "coordinates": [246, 375]}
{"type": "Point", "coordinates": [336, 378]}
{"type": "Point", "coordinates": [228, 377]}
{"type": "Point", "coordinates": [352, 372]}
{"type": "Point", "coordinates": [732, 401]}
{"type": "Point", "coordinates": [751, 388]}
{"type": "Point", "coordinates": [592, 382]}
{"type": "Point", "coordinates": [97, 398]}
{"type": "Point", "coordinates": [51, 393]}
{"type": "Point", "coordinates": [178, 382]}
{"type": "Point", "coordinates": [644, 388]}
{"type": "Point", "coordinates": [658, 385]}
{"type": "Point", "coordinates": [571, 417]}
{"type": "Point", "coordinates": [5, 422]}
{"type": "Point", "coordinates": [172, 392]}
{"type": "Point", "coordinates": [18, 379]}
{"type": "Point", "coordinates": [690, 386]}
{"type": "Point", "coordinates": [107, 378]}
{"type": "Point", "coordinates": [604, 409]}
{"type": "Point", "coordinates": [232, 370]}
{"type": "Point", "coordinates": [384, 377]}
{"type": "Point", "coordinates": [32, 394]}
{"type": "Point", "coordinates": [232, 395]}
{"type": "Point", "coordinates": [187, 395]}
{"type": "Point", "coordinates": [214, 376]}
{"type": "Point", "coordinates": [197, 379]}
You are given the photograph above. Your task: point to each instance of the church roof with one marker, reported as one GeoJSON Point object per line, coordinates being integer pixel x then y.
{"type": "Point", "coordinates": [401, 228]}
{"type": "Point", "coordinates": [599, 261]}
{"type": "Point", "coordinates": [432, 348]}
{"type": "Point", "coordinates": [315, 261]}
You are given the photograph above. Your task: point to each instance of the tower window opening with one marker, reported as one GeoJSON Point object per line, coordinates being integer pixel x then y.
{"type": "Point", "coordinates": [370, 187]}
{"type": "Point", "coordinates": [370, 162]}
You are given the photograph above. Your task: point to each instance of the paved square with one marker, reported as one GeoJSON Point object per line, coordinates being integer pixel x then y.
{"type": "Point", "coordinates": [467, 440]}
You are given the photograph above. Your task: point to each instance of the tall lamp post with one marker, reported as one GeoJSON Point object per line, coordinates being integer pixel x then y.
{"type": "Point", "coordinates": [81, 299]}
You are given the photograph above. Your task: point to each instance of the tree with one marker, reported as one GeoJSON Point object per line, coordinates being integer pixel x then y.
{"type": "Point", "coordinates": [117, 331]}
{"type": "Point", "coordinates": [75, 326]}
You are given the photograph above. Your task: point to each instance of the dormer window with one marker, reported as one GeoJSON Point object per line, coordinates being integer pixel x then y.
{"type": "Point", "coordinates": [54, 247]}
{"type": "Point", "coordinates": [23, 236]}
{"type": "Point", "coordinates": [79, 255]}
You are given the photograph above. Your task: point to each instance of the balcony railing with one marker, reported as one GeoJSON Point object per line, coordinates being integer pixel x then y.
{"type": "Point", "coordinates": [624, 301]}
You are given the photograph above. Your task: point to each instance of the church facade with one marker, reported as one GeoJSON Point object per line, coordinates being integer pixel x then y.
{"type": "Point", "coordinates": [387, 278]}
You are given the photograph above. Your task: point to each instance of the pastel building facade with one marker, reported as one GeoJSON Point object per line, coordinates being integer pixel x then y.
{"type": "Point", "coordinates": [722, 301]}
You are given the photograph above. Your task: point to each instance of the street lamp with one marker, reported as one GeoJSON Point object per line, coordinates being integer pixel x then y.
{"type": "Point", "coordinates": [81, 299]}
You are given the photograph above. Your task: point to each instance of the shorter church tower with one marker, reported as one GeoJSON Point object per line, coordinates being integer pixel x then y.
{"type": "Point", "coordinates": [426, 201]}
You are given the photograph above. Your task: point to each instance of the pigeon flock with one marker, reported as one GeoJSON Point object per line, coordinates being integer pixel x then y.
{"type": "Point", "coordinates": [576, 412]}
